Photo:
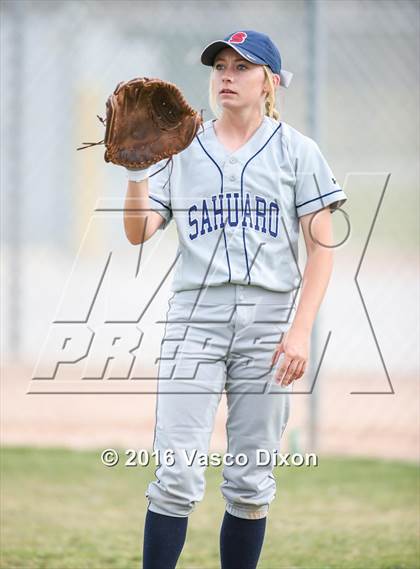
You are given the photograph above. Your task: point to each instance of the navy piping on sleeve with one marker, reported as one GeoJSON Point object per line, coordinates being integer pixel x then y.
{"type": "Point", "coordinates": [242, 197]}
{"type": "Point", "coordinates": [161, 203]}
{"type": "Point", "coordinates": [168, 181]}
{"type": "Point", "coordinates": [163, 167]}
{"type": "Point", "coordinates": [319, 197]}
{"type": "Point", "coordinates": [221, 191]}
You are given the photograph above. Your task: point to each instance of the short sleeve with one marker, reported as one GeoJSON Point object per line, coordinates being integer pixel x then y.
{"type": "Point", "coordinates": [160, 190]}
{"type": "Point", "coordinates": [316, 186]}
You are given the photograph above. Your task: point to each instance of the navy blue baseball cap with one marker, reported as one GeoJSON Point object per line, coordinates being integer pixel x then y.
{"type": "Point", "coordinates": [252, 46]}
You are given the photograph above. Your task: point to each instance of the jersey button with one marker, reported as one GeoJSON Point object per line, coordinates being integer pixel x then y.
{"type": "Point", "coordinates": [233, 160]}
{"type": "Point", "coordinates": [232, 178]}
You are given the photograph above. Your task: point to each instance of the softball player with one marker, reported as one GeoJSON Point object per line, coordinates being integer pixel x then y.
{"type": "Point", "coordinates": [238, 194]}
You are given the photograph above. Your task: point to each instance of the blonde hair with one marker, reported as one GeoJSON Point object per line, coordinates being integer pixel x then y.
{"type": "Point", "coordinates": [270, 99]}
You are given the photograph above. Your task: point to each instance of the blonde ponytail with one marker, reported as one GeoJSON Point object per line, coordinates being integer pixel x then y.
{"type": "Point", "coordinates": [270, 100]}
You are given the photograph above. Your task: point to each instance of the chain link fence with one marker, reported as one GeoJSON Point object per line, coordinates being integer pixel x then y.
{"type": "Point", "coordinates": [355, 90]}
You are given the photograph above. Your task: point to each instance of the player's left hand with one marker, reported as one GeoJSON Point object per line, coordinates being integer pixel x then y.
{"type": "Point", "coordinates": [295, 347]}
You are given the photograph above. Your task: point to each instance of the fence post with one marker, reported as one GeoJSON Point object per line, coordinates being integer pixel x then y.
{"type": "Point", "coordinates": [316, 59]}
{"type": "Point", "coordinates": [13, 179]}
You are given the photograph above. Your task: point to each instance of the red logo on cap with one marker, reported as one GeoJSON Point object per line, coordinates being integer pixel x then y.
{"type": "Point", "coordinates": [239, 37]}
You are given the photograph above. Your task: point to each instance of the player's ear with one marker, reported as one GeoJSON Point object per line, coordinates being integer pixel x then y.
{"type": "Point", "coordinates": [276, 79]}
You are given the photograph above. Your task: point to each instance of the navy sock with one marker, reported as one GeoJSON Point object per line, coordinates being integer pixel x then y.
{"type": "Point", "coordinates": [164, 538]}
{"type": "Point", "coordinates": [241, 542]}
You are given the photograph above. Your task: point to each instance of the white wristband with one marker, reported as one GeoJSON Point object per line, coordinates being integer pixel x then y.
{"type": "Point", "coordinates": [138, 175]}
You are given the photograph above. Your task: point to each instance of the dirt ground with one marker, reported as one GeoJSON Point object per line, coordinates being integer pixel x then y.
{"type": "Point", "coordinates": [374, 425]}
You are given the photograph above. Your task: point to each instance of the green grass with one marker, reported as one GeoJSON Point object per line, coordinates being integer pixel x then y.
{"type": "Point", "coordinates": [63, 509]}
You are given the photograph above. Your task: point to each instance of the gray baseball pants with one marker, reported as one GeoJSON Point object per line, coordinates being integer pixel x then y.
{"type": "Point", "coordinates": [220, 338]}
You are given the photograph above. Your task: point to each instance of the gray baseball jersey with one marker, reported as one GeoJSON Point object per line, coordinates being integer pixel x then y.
{"type": "Point", "coordinates": [237, 213]}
